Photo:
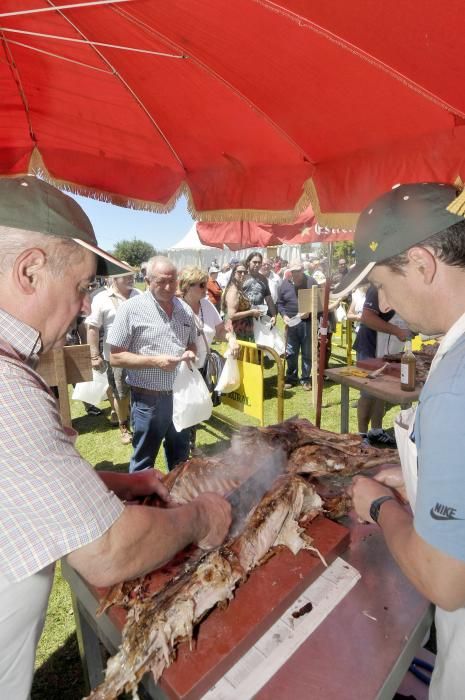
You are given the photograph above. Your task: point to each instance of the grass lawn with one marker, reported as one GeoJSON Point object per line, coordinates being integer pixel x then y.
{"type": "Point", "coordinates": [58, 670]}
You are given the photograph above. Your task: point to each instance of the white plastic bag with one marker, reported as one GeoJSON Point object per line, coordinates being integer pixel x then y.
{"type": "Point", "coordinates": [341, 314]}
{"type": "Point", "coordinates": [92, 392]}
{"type": "Point", "coordinates": [230, 377]}
{"type": "Point", "coordinates": [268, 337]}
{"type": "Point", "coordinates": [191, 399]}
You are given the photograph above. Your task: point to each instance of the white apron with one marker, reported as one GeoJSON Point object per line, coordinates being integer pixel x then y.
{"type": "Point", "coordinates": [448, 681]}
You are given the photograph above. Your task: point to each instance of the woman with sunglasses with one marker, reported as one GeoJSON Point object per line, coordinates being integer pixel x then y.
{"type": "Point", "coordinates": [193, 289]}
{"type": "Point", "coordinates": [237, 307]}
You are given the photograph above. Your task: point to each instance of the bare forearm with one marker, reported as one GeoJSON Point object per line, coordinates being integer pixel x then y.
{"type": "Point", "coordinates": [271, 306]}
{"type": "Point", "coordinates": [118, 483]}
{"type": "Point", "coordinates": [371, 320]}
{"type": "Point", "coordinates": [93, 340]}
{"type": "Point", "coordinates": [131, 360]}
{"type": "Point", "coordinates": [236, 315]}
{"type": "Point", "coordinates": [141, 540]}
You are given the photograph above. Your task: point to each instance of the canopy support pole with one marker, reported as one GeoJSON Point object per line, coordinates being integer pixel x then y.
{"type": "Point", "coordinates": [323, 340]}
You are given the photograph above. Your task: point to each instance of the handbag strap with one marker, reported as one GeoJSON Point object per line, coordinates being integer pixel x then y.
{"type": "Point", "coordinates": [200, 330]}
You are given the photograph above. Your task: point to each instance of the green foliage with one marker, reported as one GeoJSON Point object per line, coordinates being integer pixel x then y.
{"type": "Point", "coordinates": [134, 252]}
{"type": "Point", "coordinates": [341, 249]}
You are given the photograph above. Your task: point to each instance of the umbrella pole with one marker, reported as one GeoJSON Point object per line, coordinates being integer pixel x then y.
{"type": "Point", "coordinates": [323, 341]}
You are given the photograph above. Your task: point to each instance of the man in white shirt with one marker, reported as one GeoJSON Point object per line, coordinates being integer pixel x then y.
{"type": "Point", "coordinates": [274, 280]}
{"type": "Point", "coordinates": [104, 306]}
{"type": "Point", "coordinates": [224, 275]}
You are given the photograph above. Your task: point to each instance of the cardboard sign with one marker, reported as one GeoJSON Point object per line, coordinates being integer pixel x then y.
{"type": "Point", "coordinates": [248, 398]}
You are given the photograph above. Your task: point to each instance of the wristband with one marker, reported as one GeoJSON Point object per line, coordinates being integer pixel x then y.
{"type": "Point", "coordinates": [376, 505]}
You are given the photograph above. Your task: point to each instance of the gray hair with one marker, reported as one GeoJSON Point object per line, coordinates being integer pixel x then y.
{"type": "Point", "coordinates": [60, 252]}
{"type": "Point", "coordinates": [158, 261]}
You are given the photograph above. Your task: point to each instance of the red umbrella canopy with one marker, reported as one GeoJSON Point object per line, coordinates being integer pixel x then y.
{"type": "Point", "coordinates": [248, 234]}
{"type": "Point", "coordinates": [251, 107]}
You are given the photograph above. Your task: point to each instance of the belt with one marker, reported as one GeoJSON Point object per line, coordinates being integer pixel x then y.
{"type": "Point", "coordinates": [150, 392]}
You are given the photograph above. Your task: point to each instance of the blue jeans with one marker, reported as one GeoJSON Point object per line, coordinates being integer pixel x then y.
{"type": "Point", "coordinates": [152, 421]}
{"type": "Point", "coordinates": [298, 340]}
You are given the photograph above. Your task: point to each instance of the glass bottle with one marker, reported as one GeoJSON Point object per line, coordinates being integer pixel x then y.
{"type": "Point", "coordinates": [408, 368]}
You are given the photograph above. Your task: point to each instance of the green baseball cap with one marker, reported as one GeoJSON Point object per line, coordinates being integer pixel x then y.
{"type": "Point", "coordinates": [31, 204]}
{"type": "Point", "coordinates": [396, 221]}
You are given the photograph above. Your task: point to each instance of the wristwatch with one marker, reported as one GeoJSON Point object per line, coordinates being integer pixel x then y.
{"type": "Point", "coordinates": [376, 505]}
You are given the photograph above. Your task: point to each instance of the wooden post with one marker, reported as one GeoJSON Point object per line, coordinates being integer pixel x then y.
{"type": "Point", "coordinates": [314, 326]}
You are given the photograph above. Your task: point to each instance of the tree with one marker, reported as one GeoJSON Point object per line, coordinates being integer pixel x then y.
{"type": "Point", "coordinates": [134, 252]}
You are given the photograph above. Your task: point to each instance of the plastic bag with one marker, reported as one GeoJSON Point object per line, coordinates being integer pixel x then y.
{"type": "Point", "coordinates": [268, 337]}
{"type": "Point", "coordinates": [230, 377]}
{"type": "Point", "coordinates": [92, 392]}
{"type": "Point", "coordinates": [341, 314]}
{"type": "Point", "coordinates": [192, 403]}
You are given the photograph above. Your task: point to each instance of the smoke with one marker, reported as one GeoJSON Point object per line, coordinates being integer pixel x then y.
{"type": "Point", "coordinates": [262, 464]}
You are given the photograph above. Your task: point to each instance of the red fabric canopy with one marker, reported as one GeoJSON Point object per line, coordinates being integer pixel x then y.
{"type": "Point", "coordinates": [255, 108]}
{"type": "Point", "coordinates": [248, 234]}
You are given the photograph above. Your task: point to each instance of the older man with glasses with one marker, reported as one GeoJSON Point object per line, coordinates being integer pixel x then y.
{"type": "Point", "coordinates": [151, 335]}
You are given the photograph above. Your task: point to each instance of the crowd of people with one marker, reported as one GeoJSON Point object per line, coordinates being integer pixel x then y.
{"type": "Point", "coordinates": [221, 301]}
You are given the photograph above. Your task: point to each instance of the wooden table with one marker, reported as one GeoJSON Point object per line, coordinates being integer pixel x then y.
{"type": "Point", "coordinates": [386, 387]}
{"type": "Point", "coordinates": [366, 644]}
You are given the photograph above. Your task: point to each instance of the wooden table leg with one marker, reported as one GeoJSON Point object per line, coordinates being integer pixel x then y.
{"type": "Point", "coordinates": [344, 408]}
{"type": "Point", "coordinates": [89, 648]}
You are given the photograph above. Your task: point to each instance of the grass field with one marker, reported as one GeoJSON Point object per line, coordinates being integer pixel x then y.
{"type": "Point", "coordinates": [58, 670]}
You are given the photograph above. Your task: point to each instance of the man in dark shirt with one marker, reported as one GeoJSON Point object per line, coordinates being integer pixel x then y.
{"type": "Point", "coordinates": [298, 336]}
{"type": "Point", "coordinates": [373, 321]}
{"type": "Point", "coordinates": [255, 286]}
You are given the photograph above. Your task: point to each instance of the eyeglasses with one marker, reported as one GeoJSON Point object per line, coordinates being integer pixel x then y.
{"type": "Point", "coordinates": [240, 272]}
{"type": "Point", "coordinates": [202, 285]}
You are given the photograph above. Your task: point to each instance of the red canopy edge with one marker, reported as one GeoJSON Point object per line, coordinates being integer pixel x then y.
{"type": "Point", "coordinates": [337, 191]}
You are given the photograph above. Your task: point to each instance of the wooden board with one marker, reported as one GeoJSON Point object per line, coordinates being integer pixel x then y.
{"type": "Point", "coordinates": [77, 365]}
{"type": "Point", "coordinates": [304, 299]}
{"type": "Point", "coordinates": [374, 363]}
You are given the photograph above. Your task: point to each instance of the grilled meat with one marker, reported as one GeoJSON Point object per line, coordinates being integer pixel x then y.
{"type": "Point", "coordinates": [155, 627]}
{"type": "Point", "coordinates": [322, 459]}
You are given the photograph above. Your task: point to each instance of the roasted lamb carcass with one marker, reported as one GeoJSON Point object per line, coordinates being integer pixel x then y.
{"type": "Point", "coordinates": [155, 627]}
{"type": "Point", "coordinates": [325, 459]}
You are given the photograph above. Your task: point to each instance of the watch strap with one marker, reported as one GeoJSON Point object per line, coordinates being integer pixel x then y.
{"type": "Point", "coordinates": [376, 505]}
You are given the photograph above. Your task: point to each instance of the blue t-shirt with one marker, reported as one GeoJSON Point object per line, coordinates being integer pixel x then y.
{"type": "Point", "coordinates": [440, 440]}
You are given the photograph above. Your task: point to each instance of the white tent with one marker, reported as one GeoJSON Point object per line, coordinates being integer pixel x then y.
{"type": "Point", "coordinates": [190, 251]}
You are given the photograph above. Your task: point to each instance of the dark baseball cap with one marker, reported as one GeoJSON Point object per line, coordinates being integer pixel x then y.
{"type": "Point", "coordinates": [30, 204]}
{"type": "Point", "coordinates": [399, 219]}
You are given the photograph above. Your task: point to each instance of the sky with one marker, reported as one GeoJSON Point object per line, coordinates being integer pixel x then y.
{"type": "Point", "coordinates": [113, 224]}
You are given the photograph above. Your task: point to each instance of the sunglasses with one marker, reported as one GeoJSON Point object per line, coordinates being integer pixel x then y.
{"type": "Point", "coordinates": [240, 272]}
{"type": "Point", "coordinates": [202, 285]}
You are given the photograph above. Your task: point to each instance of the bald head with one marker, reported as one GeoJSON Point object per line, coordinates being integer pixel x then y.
{"type": "Point", "coordinates": [162, 277]}
{"type": "Point", "coordinates": [158, 263]}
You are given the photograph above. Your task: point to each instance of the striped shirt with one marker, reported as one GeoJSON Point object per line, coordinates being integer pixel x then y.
{"type": "Point", "coordinates": [103, 312]}
{"type": "Point", "coordinates": [141, 326]}
{"type": "Point", "coordinates": [52, 502]}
